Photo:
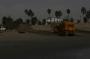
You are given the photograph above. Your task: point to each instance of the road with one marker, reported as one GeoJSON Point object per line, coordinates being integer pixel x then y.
{"type": "Point", "coordinates": [44, 46]}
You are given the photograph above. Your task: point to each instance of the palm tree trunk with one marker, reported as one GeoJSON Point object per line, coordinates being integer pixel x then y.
{"type": "Point", "coordinates": [50, 17]}
{"type": "Point", "coordinates": [30, 20]}
{"type": "Point", "coordinates": [68, 16]}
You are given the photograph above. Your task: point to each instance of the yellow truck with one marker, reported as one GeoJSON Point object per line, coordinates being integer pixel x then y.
{"type": "Point", "coordinates": [65, 28]}
{"type": "Point", "coordinates": [69, 27]}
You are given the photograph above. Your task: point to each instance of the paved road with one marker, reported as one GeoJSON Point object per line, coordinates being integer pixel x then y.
{"type": "Point", "coordinates": [44, 46]}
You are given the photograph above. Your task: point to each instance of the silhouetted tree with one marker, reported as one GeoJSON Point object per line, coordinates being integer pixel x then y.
{"type": "Point", "coordinates": [17, 22]}
{"type": "Point", "coordinates": [58, 14]}
{"type": "Point", "coordinates": [34, 20]}
{"type": "Point", "coordinates": [4, 20]}
{"type": "Point", "coordinates": [43, 21]}
{"type": "Point", "coordinates": [68, 12]}
{"type": "Point", "coordinates": [88, 14]}
{"type": "Point", "coordinates": [85, 19]}
{"type": "Point", "coordinates": [29, 13]}
{"type": "Point", "coordinates": [39, 22]}
{"type": "Point", "coordinates": [27, 21]}
{"type": "Point", "coordinates": [49, 12]}
{"type": "Point", "coordinates": [83, 11]}
{"type": "Point", "coordinates": [8, 22]}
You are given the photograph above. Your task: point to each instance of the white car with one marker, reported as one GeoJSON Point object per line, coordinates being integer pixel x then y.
{"type": "Point", "coordinates": [2, 29]}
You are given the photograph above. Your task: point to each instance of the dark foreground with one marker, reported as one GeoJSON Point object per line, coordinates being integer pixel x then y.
{"type": "Point", "coordinates": [44, 46]}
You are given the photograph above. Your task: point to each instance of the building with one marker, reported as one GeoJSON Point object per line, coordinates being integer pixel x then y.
{"type": "Point", "coordinates": [53, 20]}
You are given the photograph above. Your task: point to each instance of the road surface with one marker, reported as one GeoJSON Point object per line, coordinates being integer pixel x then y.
{"type": "Point", "coordinates": [44, 46]}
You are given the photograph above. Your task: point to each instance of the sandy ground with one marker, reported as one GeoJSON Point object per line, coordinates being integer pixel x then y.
{"type": "Point", "coordinates": [83, 26]}
{"type": "Point", "coordinates": [80, 26]}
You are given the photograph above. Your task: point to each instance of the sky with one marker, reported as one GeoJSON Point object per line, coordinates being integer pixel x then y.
{"type": "Point", "coordinates": [15, 8]}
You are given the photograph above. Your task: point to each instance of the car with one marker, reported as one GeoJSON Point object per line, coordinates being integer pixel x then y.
{"type": "Point", "coordinates": [2, 29]}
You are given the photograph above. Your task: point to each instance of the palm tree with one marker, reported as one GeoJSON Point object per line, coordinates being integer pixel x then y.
{"type": "Point", "coordinates": [85, 19]}
{"type": "Point", "coordinates": [19, 20]}
{"type": "Point", "coordinates": [68, 12]}
{"type": "Point", "coordinates": [88, 14]}
{"type": "Point", "coordinates": [26, 12]}
{"type": "Point", "coordinates": [83, 11]}
{"type": "Point", "coordinates": [27, 21]}
{"type": "Point", "coordinates": [34, 20]}
{"type": "Point", "coordinates": [39, 22]}
{"type": "Point", "coordinates": [29, 13]}
{"type": "Point", "coordinates": [58, 14]}
{"type": "Point", "coordinates": [4, 18]}
{"type": "Point", "coordinates": [8, 22]}
{"type": "Point", "coordinates": [49, 13]}
{"type": "Point", "coordinates": [44, 21]}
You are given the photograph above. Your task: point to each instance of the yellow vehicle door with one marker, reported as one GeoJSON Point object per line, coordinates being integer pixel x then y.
{"type": "Point", "coordinates": [71, 27]}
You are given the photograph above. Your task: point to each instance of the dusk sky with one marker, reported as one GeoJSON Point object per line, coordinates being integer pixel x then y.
{"type": "Point", "coordinates": [15, 8]}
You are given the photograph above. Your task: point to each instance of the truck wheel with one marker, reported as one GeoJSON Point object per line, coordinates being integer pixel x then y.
{"type": "Point", "coordinates": [21, 32]}
{"type": "Point", "coordinates": [62, 34]}
{"type": "Point", "coordinates": [71, 34]}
